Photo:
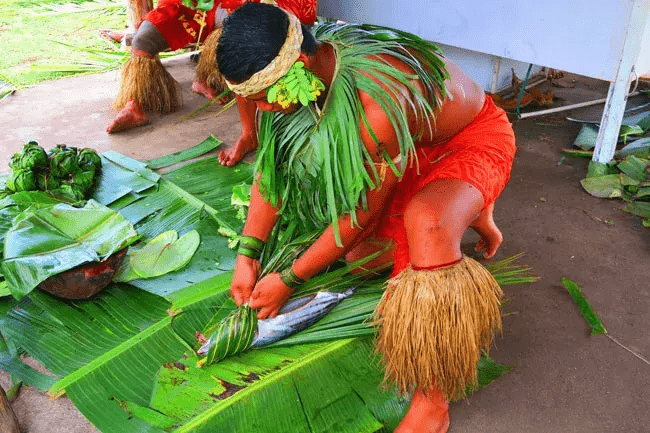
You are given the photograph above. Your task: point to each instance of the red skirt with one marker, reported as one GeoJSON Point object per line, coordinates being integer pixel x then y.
{"type": "Point", "coordinates": [481, 155]}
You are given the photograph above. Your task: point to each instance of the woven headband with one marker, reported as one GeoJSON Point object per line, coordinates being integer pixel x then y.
{"type": "Point", "coordinates": [278, 67]}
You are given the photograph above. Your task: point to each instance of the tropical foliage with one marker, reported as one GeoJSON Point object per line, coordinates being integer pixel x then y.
{"type": "Point", "coordinates": [126, 357]}
{"type": "Point", "coordinates": [312, 161]}
{"type": "Point", "coordinates": [627, 176]}
{"type": "Point", "coordinates": [49, 39]}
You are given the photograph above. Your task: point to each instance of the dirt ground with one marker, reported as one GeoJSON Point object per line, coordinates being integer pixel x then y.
{"type": "Point", "coordinates": [563, 380]}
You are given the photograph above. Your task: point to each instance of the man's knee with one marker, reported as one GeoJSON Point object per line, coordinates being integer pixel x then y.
{"type": "Point", "coordinates": [424, 216]}
{"type": "Point", "coordinates": [435, 222]}
{"type": "Point", "coordinates": [149, 39]}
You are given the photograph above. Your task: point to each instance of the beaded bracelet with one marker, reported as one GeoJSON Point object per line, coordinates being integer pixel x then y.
{"type": "Point", "coordinates": [250, 246]}
{"type": "Point", "coordinates": [290, 279]}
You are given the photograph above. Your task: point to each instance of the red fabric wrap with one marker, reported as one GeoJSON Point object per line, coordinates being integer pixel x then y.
{"type": "Point", "coordinates": [179, 24]}
{"type": "Point", "coordinates": [481, 155]}
{"type": "Point", "coordinates": [304, 10]}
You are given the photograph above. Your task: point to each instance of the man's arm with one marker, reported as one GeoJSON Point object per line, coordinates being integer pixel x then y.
{"type": "Point", "coordinates": [247, 270]}
{"type": "Point", "coordinates": [271, 293]}
{"type": "Point", "coordinates": [247, 141]}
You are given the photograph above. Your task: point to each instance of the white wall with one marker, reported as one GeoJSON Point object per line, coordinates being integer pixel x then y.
{"type": "Point", "coordinates": [585, 37]}
{"type": "Point", "coordinates": [643, 63]}
{"type": "Point", "coordinates": [481, 67]}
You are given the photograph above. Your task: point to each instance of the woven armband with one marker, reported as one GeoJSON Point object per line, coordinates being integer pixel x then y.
{"type": "Point", "coordinates": [290, 279]}
{"type": "Point", "coordinates": [250, 246]}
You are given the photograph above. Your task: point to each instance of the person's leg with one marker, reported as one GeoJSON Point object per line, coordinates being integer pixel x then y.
{"type": "Point", "coordinates": [491, 237]}
{"type": "Point", "coordinates": [209, 82]}
{"type": "Point", "coordinates": [247, 141]}
{"type": "Point", "coordinates": [435, 220]}
{"type": "Point", "coordinates": [145, 84]}
{"type": "Point", "coordinates": [428, 413]}
{"type": "Point", "coordinates": [136, 10]}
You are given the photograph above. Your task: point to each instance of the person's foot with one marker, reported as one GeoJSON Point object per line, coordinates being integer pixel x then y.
{"type": "Point", "coordinates": [234, 154]}
{"type": "Point", "coordinates": [111, 35]}
{"type": "Point", "coordinates": [131, 116]}
{"type": "Point", "coordinates": [491, 237]}
{"type": "Point", "coordinates": [427, 414]}
{"type": "Point", "coordinates": [202, 88]}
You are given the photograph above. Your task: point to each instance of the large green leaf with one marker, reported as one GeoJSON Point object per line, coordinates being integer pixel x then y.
{"type": "Point", "coordinates": [49, 240]}
{"type": "Point", "coordinates": [205, 146]}
{"type": "Point", "coordinates": [12, 205]}
{"type": "Point", "coordinates": [638, 208]}
{"type": "Point", "coordinates": [195, 196]}
{"type": "Point", "coordinates": [163, 254]}
{"type": "Point", "coordinates": [121, 176]}
{"type": "Point", "coordinates": [607, 186]}
{"type": "Point", "coordinates": [118, 355]}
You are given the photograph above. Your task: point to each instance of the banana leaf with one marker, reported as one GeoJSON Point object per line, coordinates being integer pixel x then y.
{"type": "Point", "coordinates": [202, 148]}
{"type": "Point", "coordinates": [163, 254]}
{"type": "Point", "coordinates": [125, 358]}
{"type": "Point", "coordinates": [155, 205]}
{"type": "Point", "coordinates": [12, 205]}
{"type": "Point", "coordinates": [49, 240]}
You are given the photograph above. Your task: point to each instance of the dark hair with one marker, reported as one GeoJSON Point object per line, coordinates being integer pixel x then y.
{"type": "Point", "coordinates": [252, 36]}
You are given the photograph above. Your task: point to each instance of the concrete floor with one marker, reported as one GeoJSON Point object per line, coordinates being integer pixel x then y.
{"type": "Point", "coordinates": [564, 379]}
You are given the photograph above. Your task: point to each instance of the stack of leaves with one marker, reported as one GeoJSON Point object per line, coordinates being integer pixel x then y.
{"type": "Point", "coordinates": [628, 179]}
{"type": "Point", "coordinates": [64, 170]}
{"type": "Point", "coordinates": [45, 240]}
{"type": "Point", "coordinates": [627, 176]}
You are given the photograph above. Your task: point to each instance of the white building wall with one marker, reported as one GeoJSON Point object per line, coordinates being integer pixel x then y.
{"type": "Point", "coordinates": [643, 63]}
{"type": "Point", "coordinates": [585, 37]}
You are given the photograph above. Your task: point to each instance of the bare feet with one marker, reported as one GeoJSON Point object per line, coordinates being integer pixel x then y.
{"type": "Point", "coordinates": [231, 156]}
{"type": "Point", "coordinates": [491, 237]}
{"type": "Point", "coordinates": [131, 116]}
{"type": "Point", "coordinates": [202, 88]}
{"type": "Point", "coordinates": [111, 35]}
{"type": "Point", "coordinates": [426, 414]}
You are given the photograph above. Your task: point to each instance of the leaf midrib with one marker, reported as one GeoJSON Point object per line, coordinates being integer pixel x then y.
{"type": "Point", "coordinates": [269, 379]}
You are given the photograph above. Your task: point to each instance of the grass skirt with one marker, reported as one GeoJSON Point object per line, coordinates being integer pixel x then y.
{"type": "Point", "coordinates": [146, 81]}
{"type": "Point", "coordinates": [434, 325]}
{"type": "Point", "coordinates": [206, 69]}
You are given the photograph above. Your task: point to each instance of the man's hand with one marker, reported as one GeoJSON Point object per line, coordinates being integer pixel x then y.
{"type": "Point", "coordinates": [270, 295]}
{"type": "Point", "coordinates": [243, 280]}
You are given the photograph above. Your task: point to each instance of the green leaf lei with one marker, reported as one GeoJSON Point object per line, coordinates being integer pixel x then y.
{"type": "Point", "coordinates": [313, 162]}
{"type": "Point", "coordinates": [297, 85]}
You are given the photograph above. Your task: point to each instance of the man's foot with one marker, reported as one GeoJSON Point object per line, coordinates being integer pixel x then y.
{"type": "Point", "coordinates": [131, 116]}
{"type": "Point", "coordinates": [427, 414]}
{"type": "Point", "coordinates": [234, 154]}
{"type": "Point", "coordinates": [111, 35]}
{"type": "Point", "coordinates": [491, 237]}
{"type": "Point", "coordinates": [202, 88]}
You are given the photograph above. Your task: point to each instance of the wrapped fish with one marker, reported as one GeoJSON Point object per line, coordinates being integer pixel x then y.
{"type": "Point", "coordinates": [238, 331]}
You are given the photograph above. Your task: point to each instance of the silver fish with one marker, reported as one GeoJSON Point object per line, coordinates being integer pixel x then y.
{"type": "Point", "coordinates": [296, 315]}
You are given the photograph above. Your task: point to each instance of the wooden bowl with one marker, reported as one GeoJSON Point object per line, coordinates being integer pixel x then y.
{"type": "Point", "coordinates": [85, 280]}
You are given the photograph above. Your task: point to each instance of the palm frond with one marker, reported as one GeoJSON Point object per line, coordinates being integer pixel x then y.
{"type": "Point", "coordinates": [319, 157]}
